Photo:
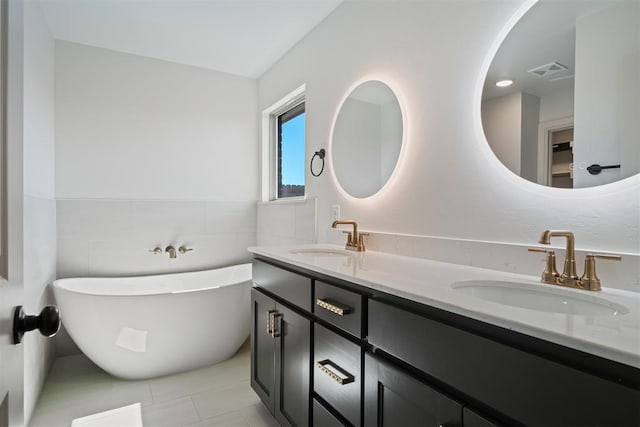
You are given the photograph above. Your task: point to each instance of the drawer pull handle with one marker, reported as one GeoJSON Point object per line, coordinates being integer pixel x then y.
{"type": "Point", "coordinates": [343, 377]}
{"type": "Point", "coordinates": [270, 322]}
{"type": "Point", "coordinates": [337, 309]}
{"type": "Point", "coordinates": [275, 333]}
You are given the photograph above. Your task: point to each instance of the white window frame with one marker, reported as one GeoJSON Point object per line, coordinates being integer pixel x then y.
{"type": "Point", "coordinates": [269, 145]}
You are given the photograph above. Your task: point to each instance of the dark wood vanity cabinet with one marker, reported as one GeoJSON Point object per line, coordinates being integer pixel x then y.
{"type": "Point", "coordinates": [522, 387]}
{"type": "Point", "coordinates": [344, 355]}
{"type": "Point", "coordinates": [281, 351]}
{"type": "Point", "coordinates": [394, 398]}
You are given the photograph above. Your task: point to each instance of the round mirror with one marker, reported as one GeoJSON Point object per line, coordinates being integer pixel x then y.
{"type": "Point", "coordinates": [561, 101]}
{"type": "Point", "coordinates": [367, 138]}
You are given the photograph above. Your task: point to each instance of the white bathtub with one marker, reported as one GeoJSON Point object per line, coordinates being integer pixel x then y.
{"type": "Point", "coordinates": [148, 326]}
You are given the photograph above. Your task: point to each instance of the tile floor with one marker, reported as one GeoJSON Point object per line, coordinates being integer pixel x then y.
{"type": "Point", "coordinates": [218, 395]}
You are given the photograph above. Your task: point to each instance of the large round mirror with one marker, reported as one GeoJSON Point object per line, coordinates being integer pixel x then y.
{"type": "Point", "coordinates": [367, 138]}
{"type": "Point", "coordinates": [561, 101]}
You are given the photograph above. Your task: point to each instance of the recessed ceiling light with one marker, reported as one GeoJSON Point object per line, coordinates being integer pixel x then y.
{"type": "Point", "coordinates": [504, 83]}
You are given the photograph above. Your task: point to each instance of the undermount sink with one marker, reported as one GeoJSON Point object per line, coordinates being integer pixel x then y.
{"type": "Point", "coordinates": [322, 252]}
{"type": "Point", "coordinates": [540, 298]}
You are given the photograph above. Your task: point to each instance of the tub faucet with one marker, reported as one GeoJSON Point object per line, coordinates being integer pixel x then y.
{"type": "Point", "coordinates": [171, 251]}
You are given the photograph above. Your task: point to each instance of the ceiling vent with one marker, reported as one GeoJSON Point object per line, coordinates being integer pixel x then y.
{"type": "Point", "coordinates": [548, 69]}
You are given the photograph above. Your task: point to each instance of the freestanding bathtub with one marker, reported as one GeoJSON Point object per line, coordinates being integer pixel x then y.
{"type": "Point", "coordinates": [148, 326]}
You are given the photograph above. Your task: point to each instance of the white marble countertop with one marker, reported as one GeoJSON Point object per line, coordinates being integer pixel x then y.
{"type": "Point", "coordinates": [614, 337]}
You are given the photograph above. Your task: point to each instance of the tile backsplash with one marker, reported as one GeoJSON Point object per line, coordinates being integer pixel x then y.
{"type": "Point", "coordinates": [287, 222]}
{"type": "Point", "coordinates": [114, 237]}
{"type": "Point", "coordinates": [509, 257]}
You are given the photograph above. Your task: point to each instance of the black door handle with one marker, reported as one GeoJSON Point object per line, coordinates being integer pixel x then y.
{"type": "Point", "coordinates": [47, 322]}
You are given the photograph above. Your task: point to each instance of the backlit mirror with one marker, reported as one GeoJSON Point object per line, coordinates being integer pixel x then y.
{"type": "Point", "coordinates": [367, 138]}
{"type": "Point", "coordinates": [561, 101]}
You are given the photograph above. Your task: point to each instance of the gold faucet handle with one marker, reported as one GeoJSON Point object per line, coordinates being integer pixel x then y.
{"type": "Point", "coordinates": [607, 256]}
{"type": "Point", "coordinates": [361, 238]}
{"type": "Point", "coordinates": [156, 251]}
{"type": "Point", "coordinates": [349, 237]}
{"type": "Point", "coordinates": [183, 249]}
{"type": "Point", "coordinates": [539, 250]}
{"type": "Point", "coordinates": [589, 279]}
{"type": "Point", "coordinates": [550, 273]}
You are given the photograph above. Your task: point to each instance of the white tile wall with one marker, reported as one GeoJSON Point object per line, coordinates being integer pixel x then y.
{"type": "Point", "coordinates": [287, 222]}
{"type": "Point", "coordinates": [113, 237]}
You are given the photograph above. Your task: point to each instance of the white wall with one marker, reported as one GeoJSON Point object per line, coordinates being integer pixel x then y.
{"type": "Point", "coordinates": [607, 85]}
{"type": "Point", "coordinates": [557, 104]}
{"type": "Point", "coordinates": [39, 197]}
{"type": "Point", "coordinates": [449, 183]}
{"type": "Point", "coordinates": [530, 118]}
{"type": "Point", "coordinates": [502, 123]}
{"type": "Point", "coordinates": [151, 153]}
{"type": "Point", "coordinates": [138, 128]}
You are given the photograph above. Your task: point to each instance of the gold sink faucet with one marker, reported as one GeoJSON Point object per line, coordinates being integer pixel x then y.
{"type": "Point", "coordinates": [569, 277]}
{"type": "Point", "coordinates": [355, 240]}
{"type": "Point", "coordinates": [569, 273]}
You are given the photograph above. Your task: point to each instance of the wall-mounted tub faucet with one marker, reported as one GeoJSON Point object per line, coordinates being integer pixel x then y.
{"type": "Point", "coordinates": [171, 251]}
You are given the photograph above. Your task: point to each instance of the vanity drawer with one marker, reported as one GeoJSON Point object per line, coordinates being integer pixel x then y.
{"type": "Point", "coordinates": [290, 286]}
{"type": "Point", "coordinates": [339, 307]}
{"type": "Point", "coordinates": [501, 376]}
{"type": "Point", "coordinates": [324, 418]}
{"type": "Point", "coordinates": [337, 372]}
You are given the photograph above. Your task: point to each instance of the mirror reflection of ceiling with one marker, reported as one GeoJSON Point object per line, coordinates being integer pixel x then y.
{"type": "Point", "coordinates": [575, 67]}
{"type": "Point", "coordinates": [546, 34]}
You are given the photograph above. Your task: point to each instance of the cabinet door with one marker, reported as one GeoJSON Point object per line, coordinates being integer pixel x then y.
{"type": "Point", "coordinates": [472, 419]}
{"type": "Point", "coordinates": [263, 348]}
{"type": "Point", "coordinates": [395, 398]}
{"type": "Point", "coordinates": [323, 418]}
{"type": "Point", "coordinates": [293, 362]}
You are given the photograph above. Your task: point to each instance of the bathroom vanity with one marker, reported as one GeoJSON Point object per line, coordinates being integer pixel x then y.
{"type": "Point", "coordinates": [378, 339]}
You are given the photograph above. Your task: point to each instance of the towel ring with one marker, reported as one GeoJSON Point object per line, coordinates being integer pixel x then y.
{"type": "Point", "coordinates": [321, 155]}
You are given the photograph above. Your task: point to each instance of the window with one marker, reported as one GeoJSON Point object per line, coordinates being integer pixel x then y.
{"type": "Point", "coordinates": [290, 154]}
{"type": "Point", "coordinates": [283, 163]}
